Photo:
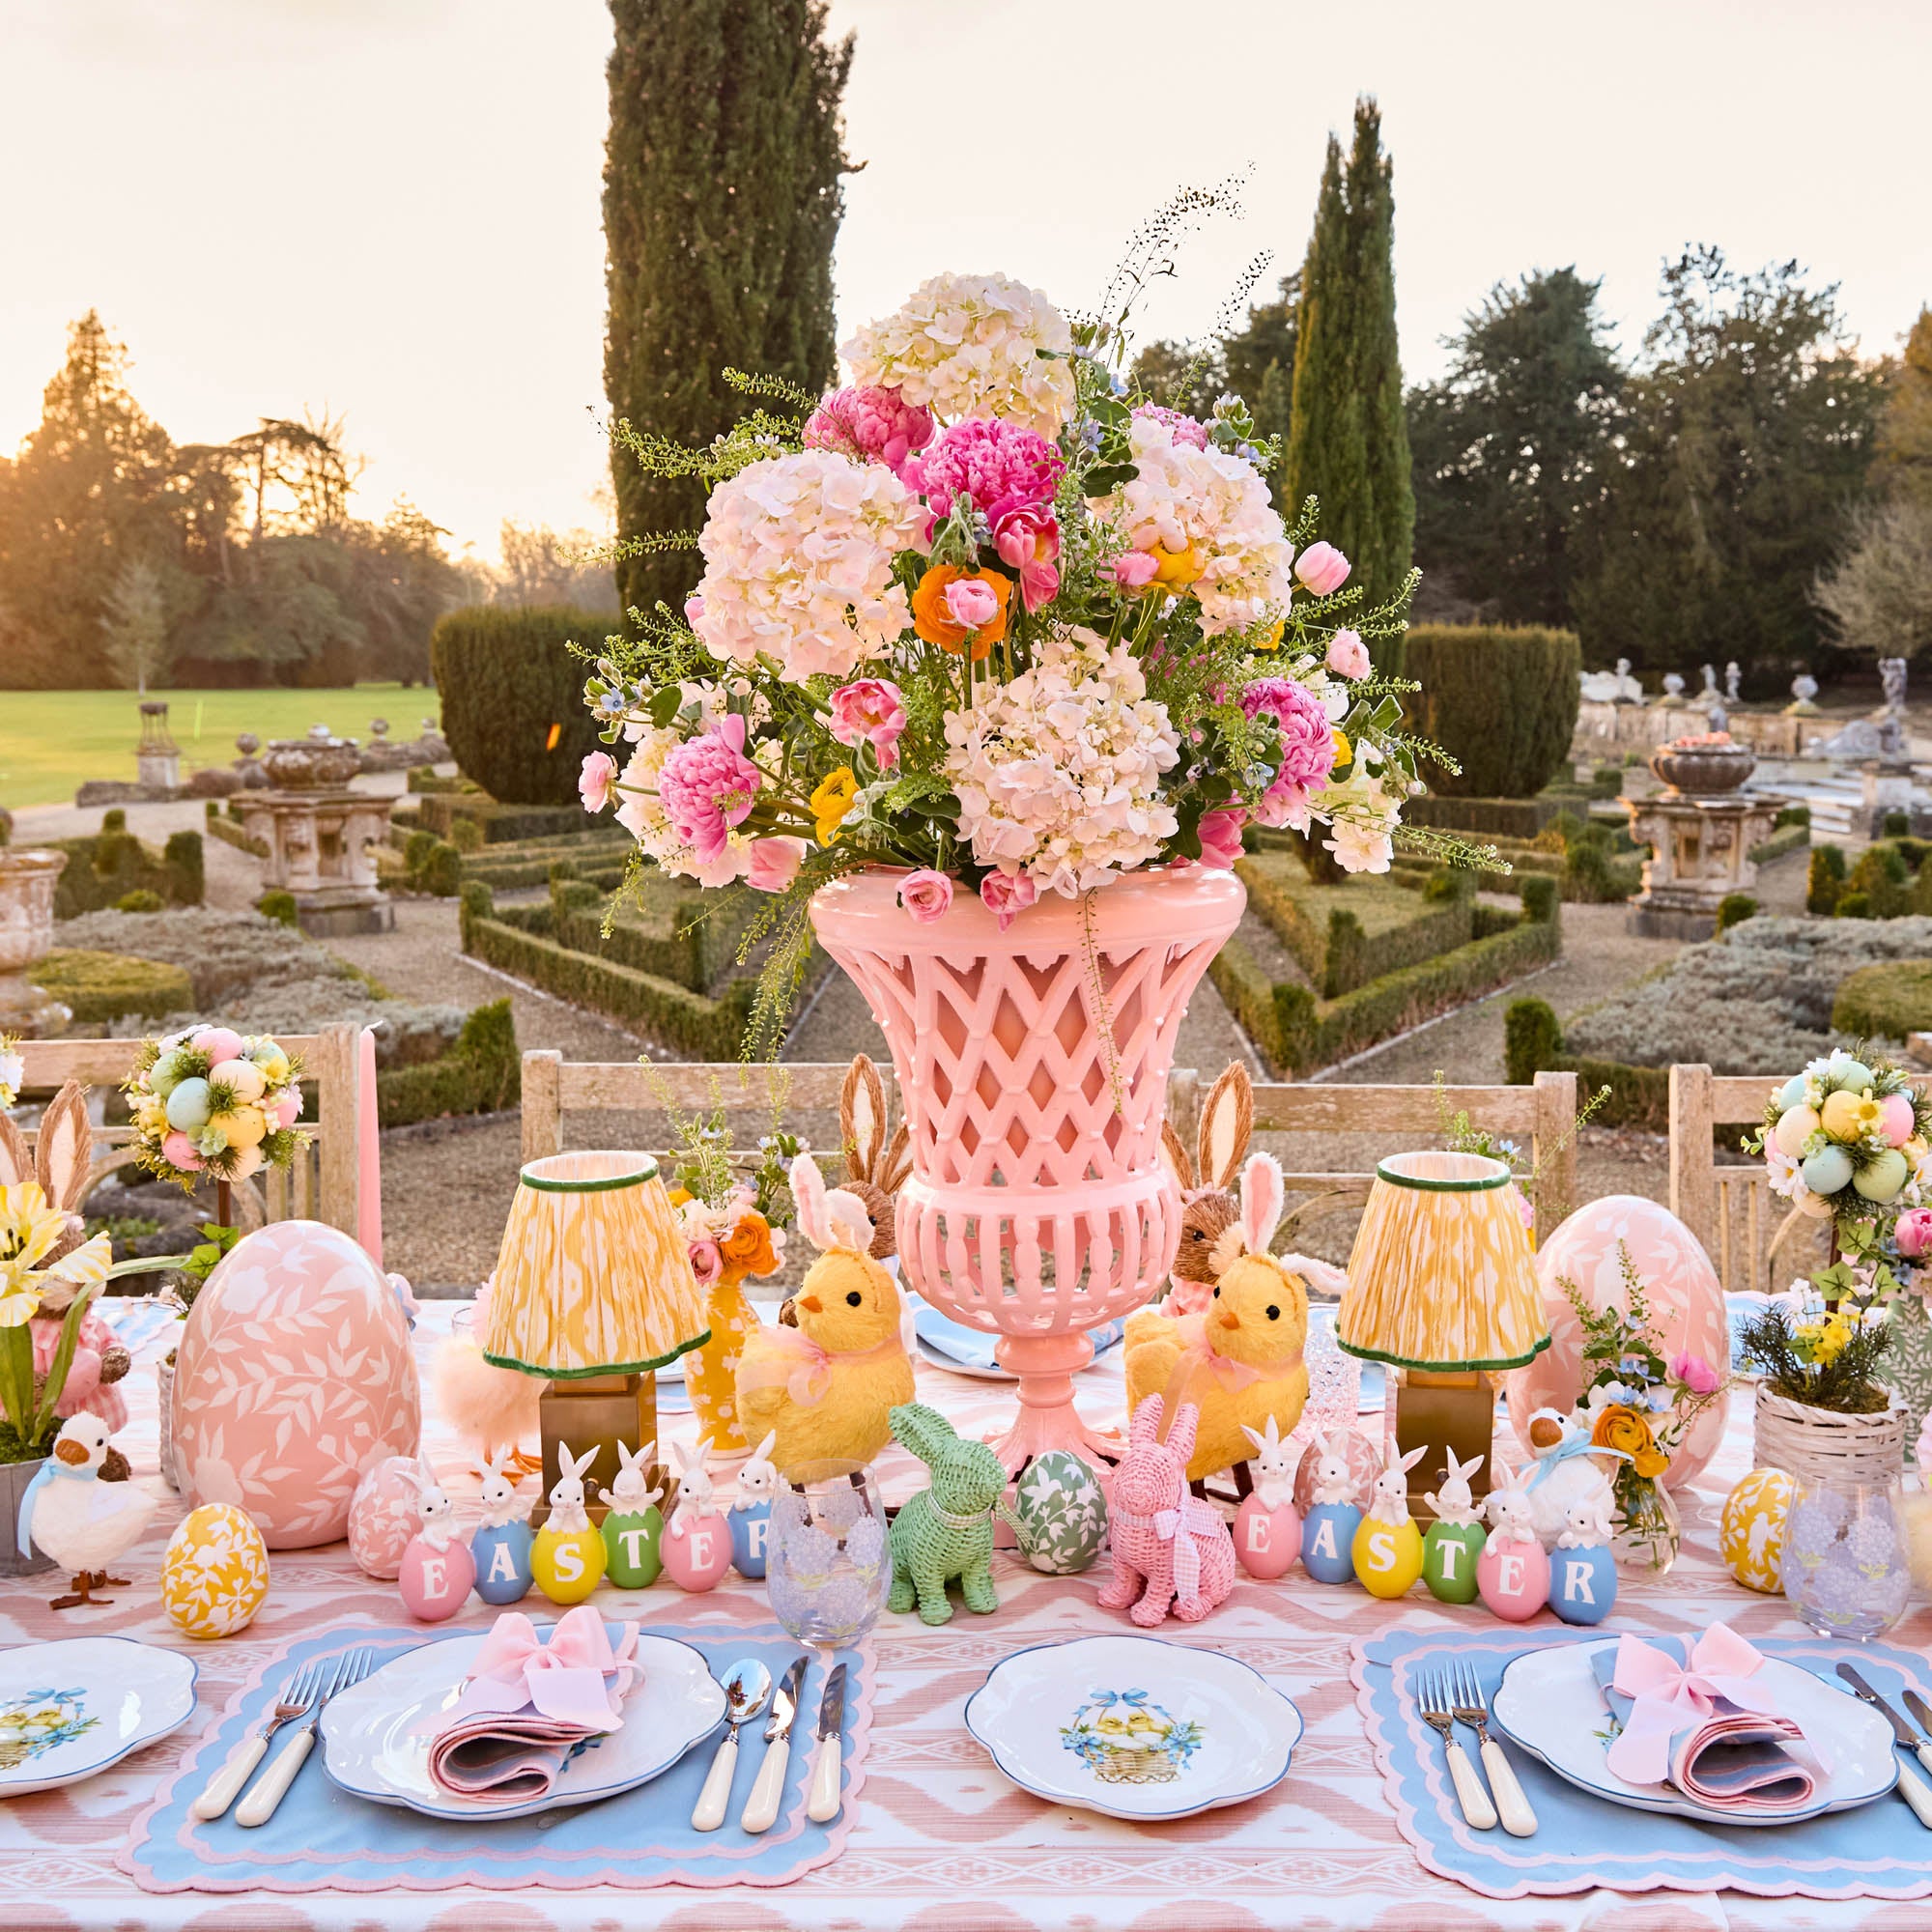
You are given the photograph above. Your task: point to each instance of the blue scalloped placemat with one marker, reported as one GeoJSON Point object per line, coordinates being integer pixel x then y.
{"type": "Point", "coordinates": [1877, 1851]}
{"type": "Point", "coordinates": [323, 1839]}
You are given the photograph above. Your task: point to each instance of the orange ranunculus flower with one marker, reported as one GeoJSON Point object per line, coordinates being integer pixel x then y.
{"type": "Point", "coordinates": [935, 621]}
{"type": "Point", "coordinates": [748, 1247]}
{"type": "Point", "coordinates": [1621, 1428]}
{"type": "Point", "coordinates": [679, 1196]}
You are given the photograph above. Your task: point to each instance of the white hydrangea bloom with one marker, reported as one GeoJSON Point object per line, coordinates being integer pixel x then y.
{"type": "Point", "coordinates": [798, 564]}
{"type": "Point", "coordinates": [1361, 823]}
{"type": "Point", "coordinates": [971, 346]}
{"type": "Point", "coordinates": [1058, 773]}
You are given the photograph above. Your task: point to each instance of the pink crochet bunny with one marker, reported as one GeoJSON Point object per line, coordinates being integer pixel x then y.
{"type": "Point", "coordinates": [1160, 1532]}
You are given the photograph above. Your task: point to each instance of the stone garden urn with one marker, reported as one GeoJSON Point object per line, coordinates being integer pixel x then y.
{"type": "Point", "coordinates": [27, 881]}
{"type": "Point", "coordinates": [320, 761]}
{"type": "Point", "coordinates": [1703, 770]}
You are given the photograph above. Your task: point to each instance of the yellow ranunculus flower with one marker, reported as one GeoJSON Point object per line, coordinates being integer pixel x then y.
{"type": "Point", "coordinates": [1272, 642]}
{"type": "Point", "coordinates": [1179, 568]}
{"type": "Point", "coordinates": [1344, 753]}
{"type": "Point", "coordinates": [832, 802]}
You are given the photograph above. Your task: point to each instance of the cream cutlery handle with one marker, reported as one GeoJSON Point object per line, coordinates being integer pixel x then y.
{"type": "Point", "coordinates": [1477, 1809]}
{"type": "Point", "coordinates": [1925, 1756]}
{"type": "Point", "coordinates": [220, 1790]}
{"type": "Point", "coordinates": [259, 1807]}
{"type": "Point", "coordinates": [715, 1799]}
{"type": "Point", "coordinates": [822, 1805]}
{"type": "Point", "coordinates": [761, 1808]}
{"type": "Point", "coordinates": [1518, 1820]}
{"type": "Point", "coordinates": [1917, 1793]}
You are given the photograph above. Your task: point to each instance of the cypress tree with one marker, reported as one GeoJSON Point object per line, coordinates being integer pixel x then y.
{"type": "Point", "coordinates": [722, 201]}
{"type": "Point", "coordinates": [1347, 437]}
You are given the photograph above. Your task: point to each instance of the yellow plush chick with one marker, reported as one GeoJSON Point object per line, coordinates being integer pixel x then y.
{"type": "Point", "coordinates": [826, 1388]}
{"type": "Point", "coordinates": [1240, 1362]}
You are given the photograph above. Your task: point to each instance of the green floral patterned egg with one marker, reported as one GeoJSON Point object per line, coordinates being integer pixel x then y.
{"type": "Point", "coordinates": [1060, 1517]}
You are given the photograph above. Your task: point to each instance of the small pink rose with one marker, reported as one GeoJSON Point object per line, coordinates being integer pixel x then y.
{"type": "Point", "coordinates": [773, 863]}
{"type": "Point", "coordinates": [707, 1264]}
{"type": "Point", "coordinates": [1007, 898]}
{"type": "Point", "coordinates": [1134, 570]}
{"type": "Point", "coordinates": [593, 782]}
{"type": "Point", "coordinates": [178, 1151]}
{"type": "Point", "coordinates": [693, 607]}
{"type": "Point", "coordinates": [926, 895]}
{"type": "Point", "coordinates": [1221, 838]}
{"type": "Point", "coordinates": [1694, 1373]}
{"type": "Point", "coordinates": [971, 602]}
{"type": "Point", "coordinates": [1322, 568]}
{"type": "Point", "coordinates": [1348, 655]}
{"type": "Point", "coordinates": [1913, 1232]}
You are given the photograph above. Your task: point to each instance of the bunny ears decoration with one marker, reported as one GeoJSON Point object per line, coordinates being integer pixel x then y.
{"type": "Point", "coordinates": [830, 1218]}
{"type": "Point", "coordinates": [1253, 1232]}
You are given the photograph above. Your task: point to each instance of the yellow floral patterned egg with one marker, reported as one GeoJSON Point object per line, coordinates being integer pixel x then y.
{"type": "Point", "coordinates": [1752, 1535]}
{"type": "Point", "coordinates": [215, 1572]}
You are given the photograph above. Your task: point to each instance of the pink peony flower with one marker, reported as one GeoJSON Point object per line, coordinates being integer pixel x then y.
{"type": "Point", "coordinates": [1221, 838]}
{"type": "Point", "coordinates": [926, 895]}
{"type": "Point", "coordinates": [179, 1149]}
{"type": "Point", "coordinates": [1183, 428]}
{"type": "Point", "coordinates": [693, 607]}
{"type": "Point", "coordinates": [1322, 568]}
{"type": "Point", "coordinates": [1694, 1373]}
{"type": "Point", "coordinates": [1913, 1232]}
{"type": "Point", "coordinates": [971, 602]}
{"type": "Point", "coordinates": [593, 782]}
{"type": "Point", "coordinates": [1028, 540]}
{"type": "Point", "coordinates": [1134, 569]}
{"type": "Point", "coordinates": [707, 1262]}
{"type": "Point", "coordinates": [997, 466]}
{"type": "Point", "coordinates": [1006, 898]}
{"type": "Point", "coordinates": [707, 785]}
{"type": "Point", "coordinates": [773, 863]}
{"type": "Point", "coordinates": [873, 425]}
{"type": "Point", "coordinates": [870, 711]}
{"type": "Point", "coordinates": [1307, 749]}
{"type": "Point", "coordinates": [1348, 655]}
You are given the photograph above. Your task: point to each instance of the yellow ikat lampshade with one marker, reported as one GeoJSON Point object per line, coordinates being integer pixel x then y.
{"type": "Point", "coordinates": [592, 1278]}
{"type": "Point", "coordinates": [1441, 1277]}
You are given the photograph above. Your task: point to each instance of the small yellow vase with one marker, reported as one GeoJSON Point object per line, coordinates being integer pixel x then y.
{"type": "Point", "coordinates": [711, 1370]}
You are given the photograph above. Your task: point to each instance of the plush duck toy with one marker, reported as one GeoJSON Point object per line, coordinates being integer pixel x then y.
{"type": "Point", "coordinates": [1240, 1362]}
{"type": "Point", "coordinates": [826, 1388]}
{"type": "Point", "coordinates": [83, 1523]}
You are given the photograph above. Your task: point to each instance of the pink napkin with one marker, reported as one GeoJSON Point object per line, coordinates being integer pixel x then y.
{"type": "Point", "coordinates": [528, 1706]}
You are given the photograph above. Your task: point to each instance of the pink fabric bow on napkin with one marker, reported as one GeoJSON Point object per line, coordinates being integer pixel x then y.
{"type": "Point", "coordinates": [530, 1704]}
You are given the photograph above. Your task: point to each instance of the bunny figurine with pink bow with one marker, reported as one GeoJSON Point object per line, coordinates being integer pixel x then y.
{"type": "Point", "coordinates": [1171, 1550]}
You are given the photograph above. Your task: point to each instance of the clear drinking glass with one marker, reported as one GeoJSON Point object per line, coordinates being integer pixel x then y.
{"type": "Point", "coordinates": [828, 1566]}
{"type": "Point", "coordinates": [1847, 1572]}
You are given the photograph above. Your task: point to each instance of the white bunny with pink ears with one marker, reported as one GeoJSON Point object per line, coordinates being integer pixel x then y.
{"type": "Point", "coordinates": [1390, 1501]}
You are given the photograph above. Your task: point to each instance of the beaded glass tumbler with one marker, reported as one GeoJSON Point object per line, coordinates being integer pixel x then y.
{"type": "Point", "coordinates": [1846, 1565]}
{"type": "Point", "coordinates": [828, 1564]}
{"type": "Point", "coordinates": [1032, 1067]}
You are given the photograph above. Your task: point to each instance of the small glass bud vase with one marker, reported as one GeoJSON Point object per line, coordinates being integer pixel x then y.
{"type": "Point", "coordinates": [1647, 1526]}
{"type": "Point", "coordinates": [1847, 1572]}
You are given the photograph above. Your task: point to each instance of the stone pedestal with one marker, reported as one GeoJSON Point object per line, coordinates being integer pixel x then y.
{"type": "Point", "coordinates": [1887, 787]}
{"type": "Point", "coordinates": [1703, 851]}
{"type": "Point", "coordinates": [27, 881]}
{"type": "Point", "coordinates": [321, 836]}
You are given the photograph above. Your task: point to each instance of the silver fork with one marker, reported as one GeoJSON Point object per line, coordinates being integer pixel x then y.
{"type": "Point", "coordinates": [268, 1790]}
{"type": "Point", "coordinates": [220, 1790]}
{"type": "Point", "coordinates": [1433, 1701]}
{"type": "Point", "coordinates": [1518, 1819]}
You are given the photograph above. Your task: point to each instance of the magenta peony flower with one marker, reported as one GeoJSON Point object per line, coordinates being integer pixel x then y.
{"type": "Point", "coordinates": [707, 785]}
{"type": "Point", "coordinates": [997, 466]}
{"type": "Point", "coordinates": [1694, 1373]}
{"type": "Point", "coordinates": [1007, 898]}
{"type": "Point", "coordinates": [1348, 655]}
{"type": "Point", "coordinates": [1183, 428]}
{"type": "Point", "coordinates": [926, 895]}
{"type": "Point", "coordinates": [870, 711]}
{"type": "Point", "coordinates": [179, 1149]}
{"type": "Point", "coordinates": [773, 863]}
{"type": "Point", "coordinates": [1913, 1232]}
{"type": "Point", "coordinates": [1322, 568]}
{"type": "Point", "coordinates": [1307, 749]}
{"type": "Point", "coordinates": [873, 425]}
{"type": "Point", "coordinates": [1134, 569]}
{"type": "Point", "coordinates": [707, 1262]}
{"type": "Point", "coordinates": [593, 782]}
{"type": "Point", "coordinates": [1221, 838]}
{"type": "Point", "coordinates": [1028, 541]}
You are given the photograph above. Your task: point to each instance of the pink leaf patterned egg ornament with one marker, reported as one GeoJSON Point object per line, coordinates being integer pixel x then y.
{"type": "Point", "coordinates": [1686, 1310]}
{"type": "Point", "coordinates": [1365, 1465]}
{"type": "Point", "coordinates": [294, 1374]}
{"type": "Point", "coordinates": [383, 1517]}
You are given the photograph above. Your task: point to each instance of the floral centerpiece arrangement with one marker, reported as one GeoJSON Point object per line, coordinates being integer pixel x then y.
{"type": "Point", "coordinates": [206, 1101]}
{"type": "Point", "coordinates": [33, 1268]}
{"type": "Point", "coordinates": [1847, 1137]}
{"type": "Point", "coordinates": [1638, 1406]}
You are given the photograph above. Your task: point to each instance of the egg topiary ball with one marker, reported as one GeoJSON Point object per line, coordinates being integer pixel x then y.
{"type": "Point", "coordinates": [215, 1572]}
{"type": "Point", "coordinates": [1751, 1533]}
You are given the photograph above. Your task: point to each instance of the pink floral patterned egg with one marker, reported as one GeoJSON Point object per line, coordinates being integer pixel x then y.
{"type": "Point", "coordinates": [294, 1374]}
{"type": "Point", "coordinates": [383, 1517]}
{"type": "Point", "coordinates": [1686, 1311]}
{"type": "Point", "coordinates": [1365, 1465]}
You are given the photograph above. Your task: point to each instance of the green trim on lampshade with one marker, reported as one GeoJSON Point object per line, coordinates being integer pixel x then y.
{"type": "Point", "coordinates": [1501, 1177]}
{"type": "Point", "coordinates": [608, 1369]}
{"type": "Point", "coordinates": [1443, 1367]}
{"type": "Point", "coordinates": [635, 1178]}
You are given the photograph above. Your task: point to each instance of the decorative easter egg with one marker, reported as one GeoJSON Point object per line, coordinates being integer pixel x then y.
{"type": "Point", "coordinates": [633, 1555]}
{"type": "Point", "coordinates": [435, 1582]}
{"type": "Point", "coordinates": [242, 1077]}
{"type": "Point", "coordinates": [1061, 1512]}
{"type": "Point", "coordinates": [164, 1076]}
{"type": "Point", "coordinates": [1827, 1170]}
{"type": "Point", "coordinates": [1328, 1542]}
{"type": "Point", "coordinates": [1449, 1553]}
{"type": "Point", "coordinates": [1686, 1310]}
{"type": "Point", "coordinates": [1387, 1556]}
{"type": "Point", "coordinates": [382, 1516]}
{"type": "Point", "coordinates": [1882, 1176]}
{"type": "Point", "coordinates": [1792, 1095]}
{"type": "Point", "coordinates": [1266, 1541]}
{"type": "Point", "coordinates": [1845, 1071]}
{"type": "Point", "coordinates": [189, 1106]}
{"type": "Point", "coordinates": [293, 1376]}
{"type": "Point", "coordinates": [1896, 1117]}
{"type": "Point", "coordinates": [1751, 1532]}
{"type": "Point", "coordinates": [1365, 1465]}
{"type": "Point", "coordinates": [697, 1551]}
{"type": "Point", "coordinates": [502, 1555]}
{"type": "Point", "coordinates": [215, 1572]}
{"type": "Point", "coordinates": [1796, 1126]}
{"type": "Point", "coordinates": [1842, 1116]}
{"type": "Point", "coordinates": [267, 1055]}
{"type": "Point", "coordinates": [567, 1567]}
{"type": "Point", "coordinates": [1513, 1579]}
{"type": "Point", "coordinates": [1582, 1585]}
{"type": "Point", "coordinates": [751, 1538]}
{"type": "Point", "coordinates": [241, 1126]}
{"type": "Point", "coordinates": [219, 1043]}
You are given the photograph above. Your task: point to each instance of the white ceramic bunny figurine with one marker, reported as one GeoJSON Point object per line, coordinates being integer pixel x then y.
{"type": "Point", "coordinates": [568, 1516]}
{"type": "Point", "coordinates": [1454, 1502]}
{"type": "Point", "coordinates": [1274, 1480]}
{"type": "Point", "coordinates": [633, 1492]}
{"type": "Point", "coordinates": [758, 1479]}
{"type": "Point", "coordinates": [500, 1507]}
{"type": "Point", "coordinates": [1589, 1526]}
{"type": "Point", "coordinates": [693, 1485]}
{"type": "Point", "coordinates": [434, 1507]}
{"type": "Point", "coordinates": [1390, 1502]}
{"type": "Point", "coordinates": [1512, 1518]}
{"type": "Point", "coordinates": [1333, 1482]}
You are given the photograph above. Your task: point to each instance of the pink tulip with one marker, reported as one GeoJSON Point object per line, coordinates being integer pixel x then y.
{"type": "Point", "coordinates": [1007, 898]}
{"type": "Point", "coordinates": [178, 1151]}
{"type": "Point", "coordinates": [1913, 1232]}
{"type": "Point", "coordinates": [1134, 570]}
{"type": "Point", "coordinates": [1028, 541]}
{"type": "Point", "coordinates": [971, 602]}
{"type": "Point", "coordinates": [1348, 655]}
{"type": "Point", "coordinates": [926, 895]}
{"type": "Point", "coordinates": [775, 864]}
{"type": "Point", "coordinates": [1694, 1373]}
{"type": "Point", "coordinates": [593, 782]}
{"type": "Point", "coordinates": [870, 711]}
{"type": "Point", "coordinates": [1322, 568]}
{"type": "Point", "coordinates": [1221, 838]}
{"type": "Point", "coordinates": [1895, 1115]}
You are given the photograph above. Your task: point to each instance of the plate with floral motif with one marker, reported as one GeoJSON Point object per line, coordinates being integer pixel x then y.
{"type": "Point", "coordinates": [1134, 1726]}
{"type": "Point", "coordinates": [74, 1706]}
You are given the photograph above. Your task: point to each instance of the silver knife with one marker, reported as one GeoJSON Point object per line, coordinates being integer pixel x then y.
{"type": "Point", "coordinates": [761, 1808]}
{"type": "Point", "coordinates": [1913, 1788]}
{"type": "Point", "coordinates": [822, 1805]}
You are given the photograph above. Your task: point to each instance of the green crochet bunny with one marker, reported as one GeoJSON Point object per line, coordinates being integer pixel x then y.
{"type": "Point", "coordinates": [946, 1531]}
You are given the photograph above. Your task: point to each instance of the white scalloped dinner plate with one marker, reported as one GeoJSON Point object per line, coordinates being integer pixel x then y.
{"type": "Point", "coordinates": [74, 1706]}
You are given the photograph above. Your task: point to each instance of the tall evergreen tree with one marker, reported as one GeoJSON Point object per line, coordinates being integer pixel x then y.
{"type": "Point", "coordinates": [722, 201]}
{"type": "Point", "coordinates": [1259, 365]}
{"type": "Point", "coordinates": [1347, 436]}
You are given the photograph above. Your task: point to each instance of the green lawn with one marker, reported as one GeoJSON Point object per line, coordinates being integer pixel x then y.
{"type": "Point", "coordinates": [53, 741]}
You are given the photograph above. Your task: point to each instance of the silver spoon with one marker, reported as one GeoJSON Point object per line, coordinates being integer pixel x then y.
{"type": "Point", "coordinates": [748, 1688]}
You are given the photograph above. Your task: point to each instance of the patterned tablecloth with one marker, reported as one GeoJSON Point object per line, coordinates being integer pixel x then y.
{"type": "Point", "coordinates": [944, 1843]}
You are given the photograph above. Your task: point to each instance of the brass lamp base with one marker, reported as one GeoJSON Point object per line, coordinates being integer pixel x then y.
{"type": "Point", "coordinates": [600, 1410]}
{"type": "Point", "coordinates": [1446, 1414]}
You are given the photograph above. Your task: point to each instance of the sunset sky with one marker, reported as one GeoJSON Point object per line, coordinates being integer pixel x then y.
{"type": "Point", "coordinates": [389, 208]}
